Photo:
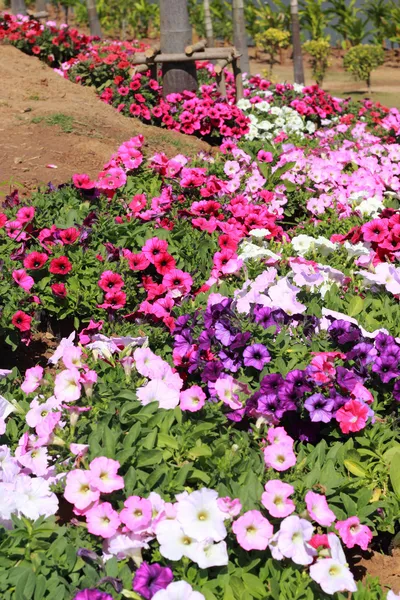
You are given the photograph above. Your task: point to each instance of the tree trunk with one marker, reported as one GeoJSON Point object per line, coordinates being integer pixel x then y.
{"type": "Point", "coordinates": [240, 35]}
{"type": "Point", "coordinates": [18, 7]}
{"type": "Point", "coordinates": [208, 24]}
{"type": "Point", "coordinates": [94, 23]}
{"type": "Point", "coordinates": [297, 55]}
{"type": "Point", "coordinates": [176, 34]}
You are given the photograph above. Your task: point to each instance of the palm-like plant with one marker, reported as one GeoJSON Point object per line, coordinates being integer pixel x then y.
{"type": "Point", "coordinates": [313, 18]}
{"type": "Point", "coordinates": [349, 25]}
{"type": "Point", "coordinates": [391, 23]}
{"type": "Point", "coordinates": [377, 12]}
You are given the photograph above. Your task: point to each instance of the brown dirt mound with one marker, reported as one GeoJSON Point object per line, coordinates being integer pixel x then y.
{"type": "Point", "coordinates": [45, 119]}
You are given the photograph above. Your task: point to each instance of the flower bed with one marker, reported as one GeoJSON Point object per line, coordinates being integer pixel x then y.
{"type": "Point", "coordinates": [217, 415]}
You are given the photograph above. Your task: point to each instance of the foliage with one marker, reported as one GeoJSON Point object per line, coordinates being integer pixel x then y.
{"type": "Point", "coordinates": [361, 60]}
{"type": "Point", "coordinates": [319, 50]}
{"type": "Point", "coordinates": [313, 18]}
{"type": "Point", "coordinates": [271, 41]}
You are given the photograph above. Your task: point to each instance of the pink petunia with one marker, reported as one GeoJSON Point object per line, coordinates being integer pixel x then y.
{"type": "Point", "coordinates": [279, 457]}
{"type": "Point", "coordinates": [102, 520]}
{"type": "Point", "coordinates": [79, 490]}
{"type": "Point", "coordinates": [33, 379]}
{"type": "Point", "coordinates": [24, 280]}
{"type": "Point", "coordinates": [104, 476]}
{"type": "Point", "coordinates": [352, 416]}
{"type": "Point", "coordinates": [137, 513]}
{"type": "Point", "coordinates": [353, 533]}
{"type": "Point", "coordinates": [252, 530]}
{"type": "Point", "coordinates": [276, 498]}
{"type": "Point", "coordinates": [192, 399]}
{"type": "Point", "coordinates": [319, 510]}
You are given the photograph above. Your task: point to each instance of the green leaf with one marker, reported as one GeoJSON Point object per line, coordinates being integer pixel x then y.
{"type": "Point", "coordinates": [254, 585]}
{"type": "Point", "coordinates": [355, 468]}
{"type": "Point", "coordinates": [355, 306]}
{"type": "Point", "coordinates": [394, 473]}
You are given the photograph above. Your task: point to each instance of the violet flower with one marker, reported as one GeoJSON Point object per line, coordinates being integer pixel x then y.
{"type": "Point", "coordinates": [150, 579]}
{"type": "Point", "coordinates": [92, 594]}
{"type": "Point", "coordinates": [320, 408]}
{"type": "Point", "coordinates": [256, 356]}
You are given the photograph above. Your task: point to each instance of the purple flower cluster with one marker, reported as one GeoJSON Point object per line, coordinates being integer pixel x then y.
{"type": "Point", "coordinates": [216, 344]}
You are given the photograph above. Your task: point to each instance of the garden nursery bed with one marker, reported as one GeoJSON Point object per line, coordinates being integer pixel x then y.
{"type": "Point", "coordinates": [200, 365]}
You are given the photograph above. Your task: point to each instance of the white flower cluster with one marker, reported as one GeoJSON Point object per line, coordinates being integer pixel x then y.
{"type": "Point", "coordinates": [266, 121]}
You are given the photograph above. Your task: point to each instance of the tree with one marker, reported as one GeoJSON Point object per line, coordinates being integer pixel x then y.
{"type": "Point", "coordinates": [297, 55]}
{"type": "Point", "coordinates": [240, 34]}
{"type": "Point", "coordinates": [18, 7]}
{"type": "Point", "coordinates": [208, 24]}
{"type": "Point", "coordinates": [176, 34]}
{"type": "Point", "coordinates": [94, 23]}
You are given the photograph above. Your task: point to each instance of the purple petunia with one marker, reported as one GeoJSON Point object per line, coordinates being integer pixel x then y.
{"type": "Point", "coordinates": [320, 408]}
{"type": "Point", "coordinates": [92, 594]}
{"type": "Point", "coordinates": [150, 579]}
{"type": "Point", "coordinates": [256, 356]}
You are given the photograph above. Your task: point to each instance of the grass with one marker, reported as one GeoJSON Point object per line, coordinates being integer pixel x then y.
{"type": "Point", "coordinates": [67, 124]}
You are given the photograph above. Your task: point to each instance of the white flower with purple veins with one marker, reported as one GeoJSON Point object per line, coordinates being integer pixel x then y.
{"type": "Point", "coordinates": [124, 546]}
{"type": "Point", "coordinates": [201, 517]}
{"type": "Point", "coordinates": [302, 243]}
{"type": "Point", "coordinates": [283, 295]}
{"type": "Point", "coordinates": [294, 533]}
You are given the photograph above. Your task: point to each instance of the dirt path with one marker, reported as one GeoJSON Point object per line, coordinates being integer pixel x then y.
{"type": "Point", "coordinates": [45, 119]}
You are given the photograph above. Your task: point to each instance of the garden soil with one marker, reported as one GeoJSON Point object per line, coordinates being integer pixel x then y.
{"type": "Point", "coordinates": [47, 120]}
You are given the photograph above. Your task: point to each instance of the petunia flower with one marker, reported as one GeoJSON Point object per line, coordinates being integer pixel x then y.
{"type": "Point", "coordinates": [352, 416]}
{"type": "Point", "coordinates": [256, 356]}
{"type": "Point", "coordinates": [353, 533]}
{"type": "Point", "coordinates": [279, 457]}
{"type": "Point", "coordinates": [79, 489]}
{"type": "Point", "coordinates": [25, 281]}
{"type": "Point", "coordinates": [150, 579]}
{"type": "Point", "coordinates": [136, 514]}
{"type": "Point", "coordinates": [33, 379]}
{"type": "Point", "coordinates": [319, 510]}
{"type": "Point", "coordinates": [192, 399]}
{"type": "Point", "coordinates": [102, 520]}
{"type": "Point", "coordinates": [199, 515]}
{"type": "Point", "coordinates": [333, 576]}
{"type": "Point", "coordinates": [276, 498]}
{"type": "Point", "coordinates": [104, 476]}
{"type": "Point", "coordinates": [292, 542]}
{"type": "Point", "coordinates": [178, 590]}
{"type": "Point", "coordinates": [252, 530]}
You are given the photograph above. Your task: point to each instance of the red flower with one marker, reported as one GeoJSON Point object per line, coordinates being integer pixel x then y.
{"type": "Point", "coordinates": [35, 260]}
{"type": "Point", "coordinates": [3, 219]}
{"type": "Point", "coordinates": [111, 282]}
{"type": "Point", "coordinates": [59, 290]}
{"type": "Point", "coordinates": [60, 266]}
{"type": "Point", "coordinates": [164, 263]}
{"type": "Point", "coordinates": [69, 236]}
{"type": "Point", "coordinates": [36, 49]}
{"type": "Point", "coordinates": [21, 321]}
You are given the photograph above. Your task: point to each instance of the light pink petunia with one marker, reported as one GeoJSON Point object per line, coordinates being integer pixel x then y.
{"type": "Point", "coordinates": [102, 520]}
{"type": "Point", "coordinates": [252, 530]}
{"type": "Point", "coordinates": [192, 399]}
{"type": "Point", "coordinates": [276, 498]}
{"type": "Point", "coordinates": [279, 457]}
{"type": "Point", "coordinates": [137, 513]}
{"type": "Point", "coordinates": [104, 476]}
{"type": "Point", "coordinates": [79, 489]}
{"type": "Point", "coordinates": [33, 379]}
{"type": "Point", "coordinates": [319, 510]}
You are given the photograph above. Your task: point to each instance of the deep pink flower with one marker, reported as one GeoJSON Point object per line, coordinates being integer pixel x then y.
{"type": "Point", "coordinates": [352, 416]}
{"type": "Point", "coordinates": [21, 321]}
{"type": "Point", "coordinates": [111, 282]}
{"type": "Point", "coordinates": [35, 260]}
{"type": "Point", "coordinates": [59, 290]}
{"type": "Point", "coordinates": [60, 266]}
{"type": "Point", "coordinates": [69, 236]}
{"type": "Point", "coordinates": [153, 248]}
{"type": "Point", "coordinates": [23, 279]}
{"type": "Point", "coordinates": [353, 533]}
{"type": "Point", "coordinates": [177, 279]}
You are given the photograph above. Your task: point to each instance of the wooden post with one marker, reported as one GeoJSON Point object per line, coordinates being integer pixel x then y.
{"type": "Point", "coordinates": [297, 55]}
{"type": "Point", "coordinates": [208, 24]}
{"type": "Point", "coordinates": [40, 6]}
{"type": "Point", "coordinates": [238, 78]}
{"type": "Point", "coordinates": [94, 23]}
{"type": "Point", "coordinates": [197, 47]}
{"type": "Point", "coordinates": [240, 35]}
{"type": "Point", "coordinates": [176, 34]}
{"type": "Point", "coordinates": [18, 7]}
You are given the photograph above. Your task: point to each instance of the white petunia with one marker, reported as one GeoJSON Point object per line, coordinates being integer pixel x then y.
{"type": "Point", "coordinates": [200, 516]}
